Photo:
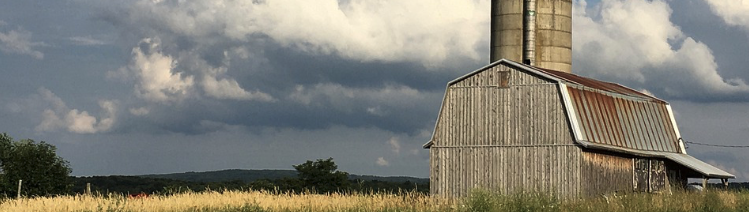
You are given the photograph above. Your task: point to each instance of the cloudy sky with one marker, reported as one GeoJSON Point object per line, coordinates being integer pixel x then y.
{"type": "Point", "coordinates": [162, 86]}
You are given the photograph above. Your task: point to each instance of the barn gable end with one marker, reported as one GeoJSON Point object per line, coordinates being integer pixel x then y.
{"type": "Point", "coordinates": [503, 128]}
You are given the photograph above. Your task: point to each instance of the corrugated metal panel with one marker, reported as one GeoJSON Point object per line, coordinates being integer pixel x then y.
{"type": "Point", "coordinates": [623, 122]}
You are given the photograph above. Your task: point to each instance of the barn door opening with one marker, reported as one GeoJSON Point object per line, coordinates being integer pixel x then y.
{"type": "Point", "coordinates": [650, 175]}
{"type": "Point", "coordinates": [642, 174]}
{"type": "Point", "coordinates": [657, 176]}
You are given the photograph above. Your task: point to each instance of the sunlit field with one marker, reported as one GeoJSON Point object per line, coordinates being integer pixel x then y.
{"type": "Point", "coordinates": [479, 201]}
{"type": "Point", "coordinates": [232, 201]}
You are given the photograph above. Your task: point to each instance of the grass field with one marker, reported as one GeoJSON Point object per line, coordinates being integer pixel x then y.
{"type": "Point", "coordinates": [479, 201]}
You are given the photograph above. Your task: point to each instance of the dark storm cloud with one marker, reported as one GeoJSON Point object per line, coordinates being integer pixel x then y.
{"type": "Point", "coordinates": [311, 83]}
{"type": "Point", "coordinates": [311, 92]}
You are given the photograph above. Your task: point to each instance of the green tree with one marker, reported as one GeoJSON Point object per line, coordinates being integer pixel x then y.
{"type": "Point", "coordinates": [321, 176]}
{"type": "Point", "coordinates": [36, 163]}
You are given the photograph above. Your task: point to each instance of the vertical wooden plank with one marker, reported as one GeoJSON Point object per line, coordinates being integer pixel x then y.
{"type": "Point", "coordinates": [448, 173]}
{"type": "Point", "coordinates": [441, 177]}
{"type": "Point", "coordinates": [458, 172]}
{"type": "Point", "coordinates": [525, 168]}
{"type": "Point", "coordinates": [472, 117]}
{"type": "Point", "coordinates": [432, 170]}
{"type": "Point", "coordinates": [503, 169]}
{"type": "Point", "coordinates": [498, 177]}
{"type": "Point", "coordinates": [444, 179]}
{"type": "Point", "coordinates": [560, 176]}
{"type": "Point", "coordinates": [481, 168]}
{"type": "Point", "coordinates": [545, 167]}
{"type": "Point", "coordinates": [449, 178]}
{"type": "Point", "coordinates": [453, 119]}
{"type": "Point", "coordinates": [510, 169]}
{"type": "Point", "coordinates": [494, 167]}
{"type": "Point", "coordinates": [466, 171]}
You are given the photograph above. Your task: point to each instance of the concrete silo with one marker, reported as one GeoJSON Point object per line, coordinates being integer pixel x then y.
{"type": "Point", "coordinates": [535, 32]}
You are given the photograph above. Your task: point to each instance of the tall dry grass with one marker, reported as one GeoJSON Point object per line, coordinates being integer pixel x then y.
{"type": "Point", "coordinates": [233, 201]}
{"type": "Point", "coordinates": [478, 201]}
{"type": "Point", "coordinates": [712, 201]}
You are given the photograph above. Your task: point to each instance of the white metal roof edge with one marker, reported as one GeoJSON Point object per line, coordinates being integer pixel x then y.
{"type": "Point", "coordinates": [439, 116]}
{"type": "Point", "coordinates": [683, 159]}
{"type": "Point", "coordinates": [571, 113]}
{"type": "Point", "coordinates": [676, 128]}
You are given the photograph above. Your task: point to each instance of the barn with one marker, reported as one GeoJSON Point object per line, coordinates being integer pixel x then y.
{"type": "Point", "coordinates": [511, 127]}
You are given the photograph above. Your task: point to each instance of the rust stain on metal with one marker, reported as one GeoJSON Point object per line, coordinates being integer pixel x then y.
{"type": "Point", "coordinates": [617, 120]}
{"type": "Point", "coordinates": [596, 84]}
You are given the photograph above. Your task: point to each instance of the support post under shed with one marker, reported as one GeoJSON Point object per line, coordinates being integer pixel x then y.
{"type": "Point", "coordinates": [725, 182]}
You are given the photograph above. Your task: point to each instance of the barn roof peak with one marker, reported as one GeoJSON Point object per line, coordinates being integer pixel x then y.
{"type": "Point", "coordinates": [569, 79]}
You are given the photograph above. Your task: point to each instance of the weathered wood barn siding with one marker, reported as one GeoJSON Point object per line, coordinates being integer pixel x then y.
{"type": "Point", "coordinates": [514, 128]}
{"type": "Point", "coordinates": [606, 173]}
{"type": "Point", "coordinates": [504, 130]}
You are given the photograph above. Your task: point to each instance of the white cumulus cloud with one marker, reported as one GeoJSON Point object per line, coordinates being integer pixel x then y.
{"type": "Point", "coordinates": [425, 31]}
{"type": "Point", "coordinates": [19, 42]}
{"type": "Point", "coordinates": [157, 80]}
{"type": "Point", "coordinates": [227, 88]}
{"type": "Point", "coordinates": [733, 12]}
{"type": "Point", "coordinates": [395, 145]}
{"type": "Point", "coordinates": [74, 120]}
{"type": "Point", "coordinates": [165, 78]}
{"type": "Point", "coordinates": [635, 40]}
{"type": "Point", "coordinates": [382, 162]}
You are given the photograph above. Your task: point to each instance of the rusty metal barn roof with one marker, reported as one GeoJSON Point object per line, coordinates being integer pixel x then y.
{"type": "Point", "coordinates": [624, 122]}
{"type": "Point", "coordinates": [612, 114]}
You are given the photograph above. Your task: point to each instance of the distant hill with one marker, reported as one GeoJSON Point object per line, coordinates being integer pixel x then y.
{"type": "Point", "coordinates": [252, 175]}
{"type": "Point", "coordinates": [226, 175]}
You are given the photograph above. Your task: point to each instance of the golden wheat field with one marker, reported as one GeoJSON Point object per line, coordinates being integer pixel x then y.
{"type": "Point", "coordinates": [230, 201]}
{"type": "Point", "coordinates": [479, 201]}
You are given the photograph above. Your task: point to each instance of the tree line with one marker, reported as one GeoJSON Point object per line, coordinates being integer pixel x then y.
{"type": "Point", "coordinates": [320, 176]}
{"type": "Point", "coordinates": [44, 173]}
